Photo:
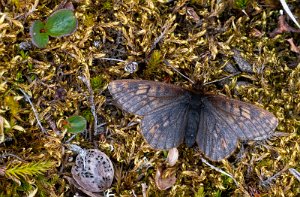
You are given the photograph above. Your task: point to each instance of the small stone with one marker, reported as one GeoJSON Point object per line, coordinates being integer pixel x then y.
{"type": "Point", "coordinates": [242, 64]}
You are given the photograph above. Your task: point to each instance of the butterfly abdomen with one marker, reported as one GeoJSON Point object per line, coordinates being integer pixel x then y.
{"type": "Point", "coordinates": [191, 127]}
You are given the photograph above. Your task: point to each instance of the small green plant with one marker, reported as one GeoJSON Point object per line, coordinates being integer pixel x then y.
{"type": "Point", "coordinates": [107, 5]}
{"type": "Point", "coordinates": [61, 23]}
{"type": "Point", "coordinates": [154, 63]}
{"type": "Point", "coordinates": [200, 192]}
{"type": "Point", "coordinates": [25, 170]}
{"type": "Point", "coordinates": [241, 4]}
{"type": "Point", "coordinates": [24, 54]}
{"type": "Point", "coordinates": [97, 82]}
{"type": "Point", "coordinates": [75, 124]}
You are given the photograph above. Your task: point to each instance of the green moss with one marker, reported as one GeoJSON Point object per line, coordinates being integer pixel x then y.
{"type": "Point", "coordinates": [127, 30]}
{"type": "Point", "coordinates": [154, 64]}
{"type": "Point", "coordinates": [87, 114]}
{"type": "Point", "coordinates": [242, 4]}
{"type": "Point", "coordinates": [107, 5]}
{"type": "Point", "coordinates": [98, 82]}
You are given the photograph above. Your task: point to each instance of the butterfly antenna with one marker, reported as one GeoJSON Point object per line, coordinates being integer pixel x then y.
{"type": "Point", "coordinates": [229, 76]}
{"type": "Point", "coordinates": [175, 69]}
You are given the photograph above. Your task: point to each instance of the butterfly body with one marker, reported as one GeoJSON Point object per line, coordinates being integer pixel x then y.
{"type": "Point", "coordinates": [195, 107]}
{"type": "Point", "coordinates": [173, 115]}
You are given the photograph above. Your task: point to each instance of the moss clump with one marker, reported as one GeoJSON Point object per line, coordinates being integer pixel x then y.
{"type": "Point", "coordinates": [147, 32]}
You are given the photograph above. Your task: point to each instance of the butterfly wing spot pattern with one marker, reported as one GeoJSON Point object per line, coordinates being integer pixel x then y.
{"type": "Point", "coordinates": [173, 115]}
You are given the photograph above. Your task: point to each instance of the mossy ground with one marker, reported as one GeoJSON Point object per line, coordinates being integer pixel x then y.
{"type": "Point", "coordinates": [126, 30]}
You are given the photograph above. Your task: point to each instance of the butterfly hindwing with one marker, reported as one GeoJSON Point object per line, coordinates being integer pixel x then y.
{"type": "Point", "coordinates": [165, 129]}
{"type": "Point", "coordinates": [215, 139]}
{"type": "Point", "coordinates": [225, 121]}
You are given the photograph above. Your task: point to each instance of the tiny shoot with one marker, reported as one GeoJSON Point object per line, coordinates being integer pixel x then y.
{"type": "Point", "coordinates": [61, 23]}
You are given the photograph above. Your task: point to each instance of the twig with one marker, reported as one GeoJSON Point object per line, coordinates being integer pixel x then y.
{"type": "Point", "coordinates": [144, 189]}
{"type": "Point", "coordinates": [294, 172]}
{"type": "Point", "coordinates": [33, 8]}
{"type": "Point", "coordinates": [165, 29]}
{"type": "Point", "coordinates": [91, 100]}
{"type": "Point", "coordinates": [112, 59]}
{"type": "Point", "coordinates": [34, 110]}
{"type": "Point", "coordinates": [71, 138]}
{"type": "Point", "coordinates": [52, 124]}
{"type": "Point", "coordinates": [133, 193]}
{"type": "Point", "coordinates": [229, 76]}
{"type": "Point", "coordinates": [267, 182]}
{"type": "Point", "coordinates": [12, 155]}
{"type": "Point", "coordinates": [221, 171]}
{"type": "Point", "coordinates": [168, 64]}
{"type": "Point", "coordinates": [288, 11]}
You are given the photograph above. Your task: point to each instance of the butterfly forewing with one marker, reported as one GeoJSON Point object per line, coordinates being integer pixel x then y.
{"type": "Point", "coordinates": [143, 97]}
{"type": "Point", "coordinates": [249, 121]}
{"type": "Point", "coordinates": [225, 121]}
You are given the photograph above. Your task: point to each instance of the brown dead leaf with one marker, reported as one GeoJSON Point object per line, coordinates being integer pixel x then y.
{"type": "Point", "coordinates": [293, 48]}
{"type": "Point", "coordinates": [256, 33]}
{"type": "Point", "coordinates": [192, 14]}
{"type": "Point", "coordinates": [163, 181]}
{"type": "Point", "coordinates": [283, 27]}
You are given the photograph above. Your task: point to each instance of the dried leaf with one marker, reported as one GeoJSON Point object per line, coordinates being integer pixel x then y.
{"type": "Point", "coordinates": [294, 48]}
{"type": "Point", "coordinates": [283, 27]}
{"type": "Point", "coordinates": [19, 128]}
{"type": "Point", "coordinates": [243, 65]}
{"type": "Point", "coordinates": [162, 182]}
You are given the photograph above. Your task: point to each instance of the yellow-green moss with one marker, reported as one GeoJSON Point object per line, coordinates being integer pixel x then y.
{"type": "Point", "coordinates": [127, 30]}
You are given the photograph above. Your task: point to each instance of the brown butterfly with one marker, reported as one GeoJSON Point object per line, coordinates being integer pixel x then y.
{"type": "Point", "coordinates": [173, 114]}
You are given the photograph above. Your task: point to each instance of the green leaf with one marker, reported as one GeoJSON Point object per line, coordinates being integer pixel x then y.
{"type": "Point", "coordinates": [61, 23]}
{"type": "Point", "coordinates": [76, 124]}
{"type": "Point", "coordinates": [38, 34]}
